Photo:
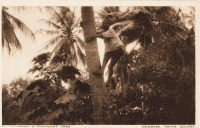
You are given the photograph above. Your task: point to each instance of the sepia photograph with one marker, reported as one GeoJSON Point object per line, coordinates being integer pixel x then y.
{"type": "Point", "coordinates": [98, 65]}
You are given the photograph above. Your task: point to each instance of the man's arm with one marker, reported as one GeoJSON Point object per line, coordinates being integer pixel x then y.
{"type": "Point", "coordinates": [97, 35]}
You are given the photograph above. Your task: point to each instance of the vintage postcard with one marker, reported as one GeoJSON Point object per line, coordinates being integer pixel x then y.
{"type": "Point", "coordinates": [100, 64]}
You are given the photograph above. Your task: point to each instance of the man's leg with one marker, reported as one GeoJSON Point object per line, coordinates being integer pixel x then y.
{"type": "Point", "coordinates": [110, 68]}
{"type": "Point", "coordinates": [105, 61]}
{"type": "Point", "coordinates": [114, 55]}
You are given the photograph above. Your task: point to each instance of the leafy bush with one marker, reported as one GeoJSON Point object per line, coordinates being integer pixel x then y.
{"type": "Point", "coordinates": [10, 106]}
{"type": "Point", "coordinates": [158, 80]}
{"type": "Point", "coordinates": [45, 101]}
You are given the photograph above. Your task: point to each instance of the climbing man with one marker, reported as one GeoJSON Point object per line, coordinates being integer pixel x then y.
{"type": "Point", "coordinates": [114, 49]}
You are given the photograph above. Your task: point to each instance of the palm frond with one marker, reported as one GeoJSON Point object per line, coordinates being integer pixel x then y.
{"type": "Point", "coordinates": [113, 15]}
{"type": "Point", "coordinates": [9, 37]}
{"type": "Point", "coordinates": [133, 12]}
{"type": "Point", "coordinates": [73, 55]}
{"type": "Point", "coordinates": [110, 9]}
{"type": "Point", "coordinates": [62, 10]}
{"type": "Point", "coordinates": [127, 23]}
{"type": "Point", "coordinates": [65, 50]}
{"type": "Point", "coordinates": [55, 16]}
{"type": "Point", "coordinates": [47, 32]}
{"type": "Point", "coordinates": [66, 14]}
{"type": "Point", "coordinates": [128, 30]}
{"type": "Point", "coordinates": [50, 23]}
{"type": "Point", "coordinates": [57, 59]}
{"type": "Point", "coordinates": [20, 25]}
{"type": "Point", "coordinates": [77, 24]}
{"type": "Point", "coordinates": [110, 13]}
{"type": "Point", "coordinates": [69, 19]}
{"type": "Point", "coordinates": [27, 8]}
{"type": "Point", "coordinates": [59, 45]}
{"type": "Point", "coordinates": [52, 42]}
{"type": "Point", "coordinates": [81, 44]}
{"type": "Point", "coordinates": [62, 48]}
{"type": "Point", "coordinates": [102, 14]}
{"type": "Point", "coordinates": [19, 8]}
{"type": "Point", "coordinates": [120, 25]}
{"type": "Point", "coordinates": [110, 17]}
{"type": "Point", "coordinates": [79, 55]}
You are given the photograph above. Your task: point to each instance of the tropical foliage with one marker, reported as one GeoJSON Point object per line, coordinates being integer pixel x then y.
{"type": "Point", "coordinates": [68, 48]}
{"type": "Point", "coordinates": [9, 36]}
{"type": "Point", "coordinates": [157, 76]}
{"type": "Point", "coordinates": [45, 97]}
{"type": "Point", "coordinates": [152, 85]}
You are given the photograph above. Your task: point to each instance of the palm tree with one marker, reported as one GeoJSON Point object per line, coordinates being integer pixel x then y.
{"type": "Point", "coordinates": [121, 25]}
{"type": "Point", "coordinates": [68, 48]}
{"type": "Point", "coordinates": [93, 63]}
{"type": "Point", "coordinates": [128, 24]}
{"type": "Point", "coordinates": [9, 24]}
{"type": "Point", "coordinates": [136, 23]}
{"type": "Point", "coordinates": [131, 25]}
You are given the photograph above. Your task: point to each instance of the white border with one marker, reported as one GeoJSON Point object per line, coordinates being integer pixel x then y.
{"type": "Point", "coordinates": [117, 3]}
{"type": "Point", "coordinates": [98, 3]}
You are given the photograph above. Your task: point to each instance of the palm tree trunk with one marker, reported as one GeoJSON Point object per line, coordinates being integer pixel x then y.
{"type": "Point", "coordinates": [93, 63]}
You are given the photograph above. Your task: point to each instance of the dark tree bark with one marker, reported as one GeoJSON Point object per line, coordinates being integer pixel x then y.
{"type": "Point", "coordinates": [93, 63]}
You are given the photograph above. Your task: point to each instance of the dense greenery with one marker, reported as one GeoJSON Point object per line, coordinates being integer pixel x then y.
{"type": "Point", "coordinates": [9, 25]}
{"type": "Point", "coordinates": [154, 85]}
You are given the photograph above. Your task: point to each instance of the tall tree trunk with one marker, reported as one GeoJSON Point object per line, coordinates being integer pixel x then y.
{"type": "Point", "coordinates": [93, 63]}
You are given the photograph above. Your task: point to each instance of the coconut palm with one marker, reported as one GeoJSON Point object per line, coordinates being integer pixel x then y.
{"type": "Point", "coordinates": [93, 63]}
{"type": "Point", "coordinates": [67, 47]}
{"type": "Point", "coordinates": [9, 24]}
{"type": "Point", "coordinates": [130, 25]}
{"type": "Point", "coordinates": [137, 22]}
